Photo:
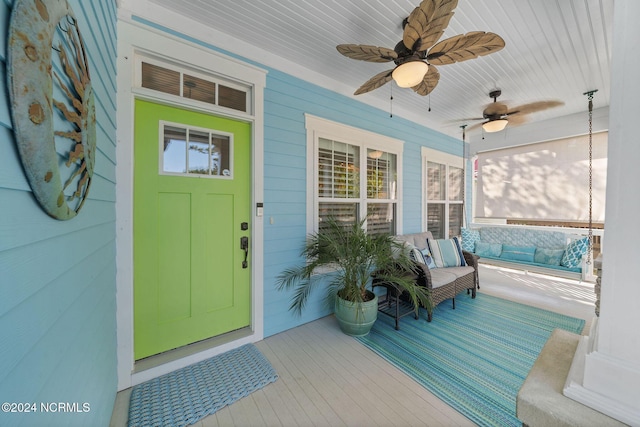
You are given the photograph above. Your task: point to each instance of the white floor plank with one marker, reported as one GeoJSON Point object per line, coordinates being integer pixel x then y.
{"type": "Point", "coordinates": [367, 375]}
{"type": "Point", "coordinates": [329, 379]}
{"type": "Point", "coordinates": [309, 396]}
{"type": "Point", "coordinates": [267, 412]}
{"type": "Point", "coordinates": [306, 394]}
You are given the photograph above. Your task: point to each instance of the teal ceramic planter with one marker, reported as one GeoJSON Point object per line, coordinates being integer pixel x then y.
{"type": "Point", "coordinates": [356, 319]}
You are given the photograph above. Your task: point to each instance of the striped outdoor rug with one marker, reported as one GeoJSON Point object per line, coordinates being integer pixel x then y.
{"type": "Point", "coordinates": [476, 357]}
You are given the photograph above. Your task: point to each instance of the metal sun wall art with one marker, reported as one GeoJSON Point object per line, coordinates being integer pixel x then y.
{"type": "Point", "coordinates": [52, 104]}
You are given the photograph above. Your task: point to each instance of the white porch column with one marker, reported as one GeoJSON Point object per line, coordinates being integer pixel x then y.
{"type": "Point", "coordinates": [611, 355]}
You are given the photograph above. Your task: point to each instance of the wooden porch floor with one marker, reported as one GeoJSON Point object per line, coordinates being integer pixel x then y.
{"type": "Point", "coordinates": [329, 379]}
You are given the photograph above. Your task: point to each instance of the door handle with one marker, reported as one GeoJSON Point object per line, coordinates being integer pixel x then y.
{"type": "Point", "coordinates": [244, 245]}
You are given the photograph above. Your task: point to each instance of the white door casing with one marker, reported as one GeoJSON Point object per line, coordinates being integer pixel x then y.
{"type": "Point", "coordinates": [138, 39]}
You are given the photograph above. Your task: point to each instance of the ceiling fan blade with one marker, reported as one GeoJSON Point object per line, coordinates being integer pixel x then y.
{"type": "Point", "coordinates": [429, 82]}
{"type": "Point", "coordinates": [374, 82]}
{"type": "Point", "coordinates": [426, 24]}
{"type": "Point", "coordinates": [534, 107]}
{"type": "Point", "coordinates": [496, 109]}
{"type": "Point", "coordinates": [466, 119]}
{"type": "Point", "coordinates": [464, 46]}
{"type": "Point", "coordinates": [517, 119]}
{"type": "Point", "coordinates": [368, 53]}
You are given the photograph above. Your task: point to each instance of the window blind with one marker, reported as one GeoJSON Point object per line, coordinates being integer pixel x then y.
{"type": "Point", "coordinates": [543, 181]}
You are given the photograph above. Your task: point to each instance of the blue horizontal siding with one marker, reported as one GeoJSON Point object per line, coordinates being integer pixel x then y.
{"type": "Point", "coordinates": [11, 172]}
{"type": "Point", "coordinates": [5, 115]}
{"type": "Point", "coordinates": [287, 99]}
{"type": "Point", "coordinates": [57, 278]}
{"type": "Point", "coordinates": [5, 13]}
{"type": "Point", "coordinates": [28, 228]}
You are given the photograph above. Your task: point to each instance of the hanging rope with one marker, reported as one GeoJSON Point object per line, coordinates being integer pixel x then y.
{"type": "Point", "coordinates": [590, 98]}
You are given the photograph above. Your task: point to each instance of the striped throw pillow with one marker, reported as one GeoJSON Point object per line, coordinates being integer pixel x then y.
{"type": "Point", "coordinates": [446, 252]}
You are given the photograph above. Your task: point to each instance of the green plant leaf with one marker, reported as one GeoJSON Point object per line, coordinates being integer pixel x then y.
{"type": "Point", "coordinates": [352, 255]}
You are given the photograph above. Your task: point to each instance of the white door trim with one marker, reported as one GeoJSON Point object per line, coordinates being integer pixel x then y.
{"type": "Point", "coordinates": [133, 38]}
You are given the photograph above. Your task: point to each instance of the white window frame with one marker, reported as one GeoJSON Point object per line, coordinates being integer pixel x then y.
{"type": "Point", "coordinates": [322, 128]}
{"type": "Point", "coordinates": [449, 160]}
{"type": "Point", "coordinates": [149, 58]}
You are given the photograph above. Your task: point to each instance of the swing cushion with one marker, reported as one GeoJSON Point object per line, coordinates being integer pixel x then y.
{"type": "Point", "coordinates": [548, 256]}
{"type": "Point", "coordinates": [518, 253]}
{"type": "Point", "coordinates": [575, 251]}
{"type": "Point", "coordinates": [491, 250]}
{"type": "Point", "coordinates": [538, 248]}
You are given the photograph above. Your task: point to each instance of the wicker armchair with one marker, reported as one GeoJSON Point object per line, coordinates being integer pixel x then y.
{"type": "Point", "coordinates": [440, 285]}
{"type": "Point", "coordinates": [443, 283]}
{"type": "Point", "coordinates": [472, 261]}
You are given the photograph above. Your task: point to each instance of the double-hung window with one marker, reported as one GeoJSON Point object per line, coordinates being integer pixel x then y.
{"type": "Point", "coordinates": [352, 174]}
{"type": "Point", "coordinates": [443, 193]}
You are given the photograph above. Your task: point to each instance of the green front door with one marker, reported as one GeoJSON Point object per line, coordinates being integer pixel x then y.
{"type": "Point", "coordinates": [192, 212]}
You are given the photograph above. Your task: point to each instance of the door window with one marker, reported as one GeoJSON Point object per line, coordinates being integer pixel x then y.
{"type": "Point", "coordinates": [193, 151]}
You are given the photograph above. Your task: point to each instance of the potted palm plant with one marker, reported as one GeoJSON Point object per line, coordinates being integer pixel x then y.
{"type": "Point", "coordinates": [341, 259]}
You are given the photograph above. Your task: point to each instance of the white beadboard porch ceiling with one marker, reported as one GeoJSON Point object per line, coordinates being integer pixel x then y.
{"type": "Point", "coordinates": [555, 49]}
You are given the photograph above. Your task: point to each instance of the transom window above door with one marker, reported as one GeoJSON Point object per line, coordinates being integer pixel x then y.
{"type": "Point", "coordinates": [173, 80]}
{"type": "Point", "coordinates": [195, 151]}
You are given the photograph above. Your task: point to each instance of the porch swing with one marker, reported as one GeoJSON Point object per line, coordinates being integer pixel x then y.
{"type": "Point", "coordinates": [590, 238]}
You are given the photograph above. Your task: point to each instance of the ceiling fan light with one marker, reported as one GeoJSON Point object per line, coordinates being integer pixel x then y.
{"type": "Point", "coordinates": [495, 125]}
{"type": "Point", "coordinates": [410, 73]}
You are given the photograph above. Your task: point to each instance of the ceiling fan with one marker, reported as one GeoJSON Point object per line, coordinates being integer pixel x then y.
{"type": "Point", "coordinates": [414, 65]}
{"type": "Point", "coordinates": [498, 114]}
